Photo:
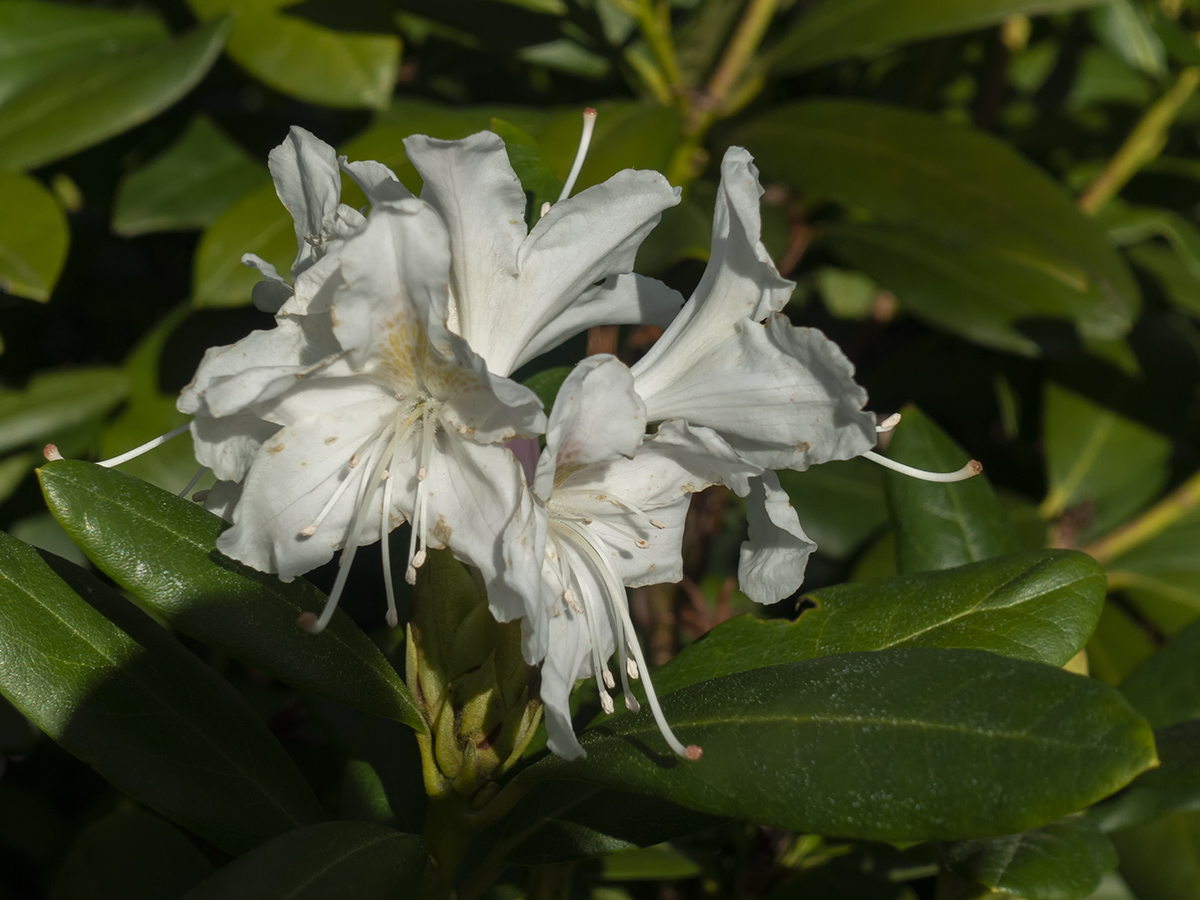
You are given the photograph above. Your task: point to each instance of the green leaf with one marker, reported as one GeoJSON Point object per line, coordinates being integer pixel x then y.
{"type": "Point", "coordinates": [1162, 575]}
{"type": "Point", "coordinates": [945, 744]}
{"type": "Point", "coordinates": [1124, 28]}
{"type": "Point", "coordinates": [940, 525]}
{"type": "Point", "coordinates": [842, 503]}
{"type": "Point", "coordinates": [959, 185]}
{"type": "Point", "coordinates": [547, 383]}
{"type": "Point", "coordinates": [1178, 278]}
{"type": "Point", "coordinates": [151, 412]}
{"type": "Point", "coordinates": [1037, 605]}
{"type": "Point", "coordinates": [333, 859]}
{"type": "Point", "coordinates": [55, 402]}
{"type": "Point", "coordinates": [981, 297]}
{"type": "Point", "coordinates": [33, 237]}
{"type": "Point", "coordinates": [1095, 455]}
{"type": "Point", "coordinates": [161, 549]}
{"type": "Point", "coordinates": [94, 98]}
{"type": "Point", "coordinates": [106, 682]}
{"type": "Point", "coordinates": [311, 62]}
{"type": "Point", "coordinates": [1118, 645]}
{"type": "Point", "coordinates": [1166, 687]}
{"type": "Point", "coordinates": [36, 37]}
{"type": "Point", "coordinates": [562, 821]}
{"type": "Point", "coordinates": [1161, 860]}
{"type": "Point", "coordinates": [836, 29]}
{"type": "Point", "coordinates": [188, 185]}
{"type": "Point", "coordinates": [1062, 861]}
{"type": "Point", "coordinates": [130, 854]}
{"type": "Point", "coordinates": [1173, 787]}
{"type": "Point", "coordinates": [257, 223]}
{"type": "Point", "coordinates": [527, 161]}
{"type": "Point", "coordinates": [658, 863]}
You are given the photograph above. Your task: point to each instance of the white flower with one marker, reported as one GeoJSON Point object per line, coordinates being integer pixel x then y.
{"type": "Point", "coordinates": [606, 510]}
{"type": "Point", "coordinates": [359, 409]}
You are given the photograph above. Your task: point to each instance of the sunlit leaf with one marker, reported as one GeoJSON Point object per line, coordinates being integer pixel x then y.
{"type": "Point", "coordinates": [33, 237]}
{"type": "Point", "coordinates": [257, 223]}
{"type": "Point", "coordinates": [94, 98]}
{"type": "Point", "coordinates": [106, 682]}
{"type": "Point", "coordinates": [187, 186]}
{"type": "Point", "coordinates": [37, 38]}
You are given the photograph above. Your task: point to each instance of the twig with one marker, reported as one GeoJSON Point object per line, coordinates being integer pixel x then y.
{"type": "Point", "coordinates": [1152, 522]}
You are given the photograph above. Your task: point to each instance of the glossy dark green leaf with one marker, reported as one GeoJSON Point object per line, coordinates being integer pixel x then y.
{"type": "Point", "coordinates": [55, 402]}
{"type": "Point", "coordinates": [895, 745]}
{"type": "Point", "coordinates": [33, 237]}
{"type": "Point", "coordinates": [562, 821]}
{"type": "Point", "coordinates": [1166, 687]}
{"type": "Point", "coordinates": [940, 525]}
{"type": "Point", "coordinates": [959, 185]}
{"type": "Point", "coordinates": [333, 859]}
{"type": "Point", "coordinates": [161, 548]}
{"type": "Point", "coordinates": [1097, 456]}
{"type": "Point", "coordinates": [130, 854]}
{"type": "Point", "coordinates": [38, 37]}
{"type": "Point", "coordinates": [311, 62]}
{"type": "Point", "coordinates": [841, 503]}
{"type": "Point", "coordinates": [94, 98]}
{"type": "Point", "coordinates": [1039, 606]}
{"type": "Point", "coordinates": [188, 185]}
{"type": "Point", "coordinates": [110, 685]}
{"type": "Point", "coordinates": [257, 223]}
{"type": "Point", "coordinates": [1161, 860]}
{"type": "Point", "coordinates": [1061, 861]}
{"type": "Point", "coordinates": [836, 29]}
{"type": "Point", "coordinates": [981, 297]}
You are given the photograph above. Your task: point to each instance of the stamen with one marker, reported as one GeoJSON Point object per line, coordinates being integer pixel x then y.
{"type": "Point", "coordinates": [889, 423]}
{"type": "Point", "coordinates": [632, 668]}
{"type": "Point", "coordinates": [970, 470]}
{"type": "Point", "coordinates": [393, 617]}
{"type": "Point", "coordinates": [50, 451]}
{"type": "Point", "coordinates": [609, 681]}
{"type": "Point", "coordinates": [200, 496]}
{"type": "Point", "coordinates": [606, 703]}
{"type": "Point", "coordinates": [631, 703]}
{"type": "Point", "coordinates": [416, 540]}
{"type": "Point", "coordinates": [144, 448]}
{"type": "Point", "coordinates": [569, 599]}
{"type": "Point", "coordinates": [589, 125]}
{"type": "Point", "coordinates": [641, 545]}
{"type": "Point", "coordinates": [545, 209]}
{"type": "Point", "coordinates": [657, 524]}
{"type": "Point", "coordinates": [366, 492]}
{"type": "Point", "coordinates": [195, 481]}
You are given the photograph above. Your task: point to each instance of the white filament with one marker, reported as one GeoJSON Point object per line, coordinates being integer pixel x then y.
{"type": "Point", "coordinates": [970, 470]}
{"type": "Point", "coordinates": [589, 125]}
{"type": "Point", "coordinates": [144, 448]}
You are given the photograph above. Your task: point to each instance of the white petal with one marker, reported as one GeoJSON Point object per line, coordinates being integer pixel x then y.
{"type": "Point", "coordinates": [568, 654]}
{"type": "Point", "coordinates": [473, 187]}
{"type": "Point", "coordinates": [297, 472]}
{"type": "Point", "coordinates": [394, 272]}
{"type": "Point", "coordinates": [308, 182]}
{"type": "Point", "coordinates": [488, 408]}
{"type": "Point", "coordinates": [772, 561]}
{"type": "Point", "coordinates": [624, 299]}
{"type": "Point", "coordinates": [259, 366]}
{"type": "Point", "coordinates": [273, 291]}
{"type": "Point", "coordinates": [228, 445]}
{"type": "Point", "coordinates": [597, 417]}
{"type": "Point", "coordinates": [222, 498]}
{"type": "Point", "coordinates": [739, 282]}
{"type": "Point", "coordinates": [377, 181]}
{"type": "Point", "coordinates": [787, 389]}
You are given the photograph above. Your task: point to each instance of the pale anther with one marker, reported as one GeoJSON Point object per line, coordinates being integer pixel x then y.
{"type": "Point", "coordinates": [889, 423]}
{"type": "Point", "coordinates": [50, 451]}
{"type": "Point", "coordinates": [641, 545]}
{"type": "Point", "coordinates": [545, 209]}
{"type": "Point", "coordinates": [631, 668]}
{"type": "Point", "coordinates": [631, 703]}
{"type": "Point", "coordinates": [970, 470]}
{"type": "Point", "coordinates": [606, 703]}
{"type": "Point", "coordinates": [421, 473]}
{"type": "Point", "coordinates": [658, 524]}
{"type": "Point", "coordinates": [418, 559]}
{"type": "Point", "coordinates": [609, 681]}
{"type": "Point", "coordinates": [200, 496]}
{"type": "Point", "coordinates": [309, 530]}
{"type": "Point", "coordinates": [353, 461]}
